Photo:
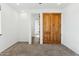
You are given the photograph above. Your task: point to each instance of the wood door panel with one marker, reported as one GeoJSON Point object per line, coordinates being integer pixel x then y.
{"type": "Point", "coordinates": [57, 36]}
{"type": "Point", "coordinates": [46, 28]}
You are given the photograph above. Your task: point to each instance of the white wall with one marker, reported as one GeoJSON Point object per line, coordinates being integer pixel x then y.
{"type": "Point", "coordinates": [33, 26]}
{"type": "Point", "coordinates": [71, 27]}
{"type": "Point", "coordinates": [24, 29]}
{"type": "Point", "coordinates": [45, 10]}
{"type": "Point", "coordinates": [9, 27]}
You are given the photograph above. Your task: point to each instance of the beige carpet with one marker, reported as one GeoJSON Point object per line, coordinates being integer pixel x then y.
{"type": "Point", "coordinates": [24, 49]}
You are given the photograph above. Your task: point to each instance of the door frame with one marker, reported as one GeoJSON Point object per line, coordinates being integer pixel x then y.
{"type": "Point", "coordinates": [41, 25]}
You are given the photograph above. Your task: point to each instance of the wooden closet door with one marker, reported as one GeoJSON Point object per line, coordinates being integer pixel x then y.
{"type": "Point", "coordinates": [47, 28]}
{"type": "Point", "coordinates": [57, 28]}
{"type": "Point", "coordinates": [52, 28]}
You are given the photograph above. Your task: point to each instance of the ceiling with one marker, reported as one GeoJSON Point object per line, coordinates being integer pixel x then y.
{"type": "Point", "coordinates": [25, 6]}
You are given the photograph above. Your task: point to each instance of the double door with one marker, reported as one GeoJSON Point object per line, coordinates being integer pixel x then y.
{"type": "Point", "coordinates": [51, 28]}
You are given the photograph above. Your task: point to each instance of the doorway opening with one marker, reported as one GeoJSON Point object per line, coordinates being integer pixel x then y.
{"type": "Point", "coordinates": [35, 28]}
